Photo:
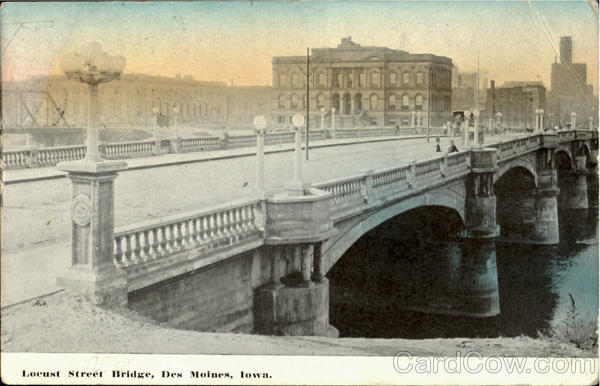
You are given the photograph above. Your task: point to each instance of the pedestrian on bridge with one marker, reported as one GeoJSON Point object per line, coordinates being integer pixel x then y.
{"type": "Point", "coordinates": [452, 148]}
{"type": "Point", "coordinates": [438, 149]}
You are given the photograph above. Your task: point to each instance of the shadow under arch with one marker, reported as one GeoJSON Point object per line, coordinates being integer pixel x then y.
{"type": "Point", "coordinates": [335, 248]}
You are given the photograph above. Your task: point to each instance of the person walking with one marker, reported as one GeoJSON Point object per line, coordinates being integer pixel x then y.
{"type": "Point", "coordinates": [438, 149]}
{"type": "Point", "coordinates": [452, 148]}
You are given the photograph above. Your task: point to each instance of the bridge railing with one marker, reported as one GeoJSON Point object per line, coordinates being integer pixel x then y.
{"type": "Point", "coordinates": [47, 156]}
{"type": "Point", "coordinates": [124, 150]}
{"type": "Point", "coordinates": [201, 144]}
{"type": "Point", "coordinates": [347, 193]}
{"type": "Point", "coordinates": [203, 231]}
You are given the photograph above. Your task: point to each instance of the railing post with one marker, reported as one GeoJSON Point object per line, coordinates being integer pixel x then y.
{"type": "Point", "coordinates": [366, 186]}
{"type": "Point", "coordinates": [444, 165]}
{"type": "Point", "coordinates": [412, 174]}
{"type": "Point", "coordinates": [102, 150]}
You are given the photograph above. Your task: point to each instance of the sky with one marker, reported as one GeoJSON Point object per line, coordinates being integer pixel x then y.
{"type": "Point", "coordinates": [224, 41]}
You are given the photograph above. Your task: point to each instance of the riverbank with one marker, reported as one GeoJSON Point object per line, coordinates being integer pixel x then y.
{"type": "Point", "coordinates": [66, 322]}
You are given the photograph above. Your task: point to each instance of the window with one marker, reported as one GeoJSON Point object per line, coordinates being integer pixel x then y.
{"type": "Point", "coordinates": [375, 79]}
{"type": "Point", "coordinates": [320, 101]}
{"type": "Point", "coordinates": [349, 79]}
{"type": "Point", "coordinates": [283, 80]}
{"type": "Point", "coordinates": [338, 80]}
{"type": "Point", "coordinates": [294, 101]}
{"type": "Point", "coordinates": [393, 79]}
{"type": "Point", "coordinates": [373, 100]}
{"type": "Point", "coordinates": [362, 78]}
{"type": "Point", "coordinates": [406, 78]}
{"type": "Point", "coordinates": [281, 102]}
{"type": "Point", "coordinates": [295, 83]}
{"type": "Point", "coordinates": [405, 102]}
{"type": "Point", "coordinates": [392, 102]}
{"type": "Point", "coordinates": [419, 102]}
{"type": "Point", "coordinates": [322, 80]}
{"type": "Point", "coordinates": [419, 78]}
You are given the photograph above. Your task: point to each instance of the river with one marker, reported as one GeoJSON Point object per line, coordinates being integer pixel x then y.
{"type": "Point", "coordinates": [534, 283]}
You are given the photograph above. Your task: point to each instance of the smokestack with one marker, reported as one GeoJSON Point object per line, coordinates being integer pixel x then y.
{"type": "Point", "coordinates": [566, 50]}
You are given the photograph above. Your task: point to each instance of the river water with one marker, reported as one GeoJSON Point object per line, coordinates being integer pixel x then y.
{"type": "Point", "coordinates": [534, 283]}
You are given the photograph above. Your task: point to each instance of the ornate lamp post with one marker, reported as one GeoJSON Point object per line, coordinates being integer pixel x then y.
{"type": "Point", "coordinates": [322, 118]}
{"type": "Point", "coordinates": [175, 116]}
{"type": "Point", "coordinates": [92, 67]}
{"type": "Point", "coordinates": [499, 115]}
{"type": "Point", "coordinates": [295, 187]}
{"type": "Point", "coordinates": [573, 120]}
{"type": "Point", "coordinates": [333, 122]}
{"type": "Point", "coordinates": [467, 119]}
{"type": "Point", "coordinates": [92, 271]}
{"type": "Point", "coordinates": [260, 123]}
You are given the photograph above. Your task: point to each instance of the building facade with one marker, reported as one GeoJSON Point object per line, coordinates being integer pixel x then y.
{"type": "Point", "coordinates": [365, 85]}
{"type": "Point", "coordinates": [517, 102]}
{"type": "Point", "coordinates": [569, 91]}
{"type": "Point", "coordinates": [134, 100]}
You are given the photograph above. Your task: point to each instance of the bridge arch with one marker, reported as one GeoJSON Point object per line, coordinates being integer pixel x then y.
{"type": "Point", "coordinates": [335, 249]}
{"type": "Point", "coordinates": [517, 163]}
{"type": "Point", "coordinates": [566, 151]}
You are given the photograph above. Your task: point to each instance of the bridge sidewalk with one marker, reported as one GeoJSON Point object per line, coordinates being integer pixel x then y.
{"type": "Point", "coordinates": [35, 174]}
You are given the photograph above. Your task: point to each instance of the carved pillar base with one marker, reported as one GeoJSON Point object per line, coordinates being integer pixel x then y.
{"type": "Point", "coordinates": [92, 271]}
{"type": "Point", "coordinates": [294, 311]}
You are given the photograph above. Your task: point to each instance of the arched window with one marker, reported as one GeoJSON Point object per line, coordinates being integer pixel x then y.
{"type": "Point", "coordinates": [419, 102]}
{"type": "Point", "coordinates": [405, 102]}
{"type": "Point", "coordinates": [294, 101]}
{"type": "Point", "coordinates": [320, 101]}
{"type": "Point", "coordinates": [373, 104]}
{"type": "Point", "coordinates": [281, 102]}
{"type": "Point", "coordinates": [406, 78]}
{"type": "Point", "coordinates": [392, 102]}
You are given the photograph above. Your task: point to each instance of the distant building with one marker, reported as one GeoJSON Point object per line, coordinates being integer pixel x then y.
{"type": "Point", "coordinates": [517, 101]}
{"type": "Point", "coordinates": [131, 102]}
{"type": "Point", "coordinates": [464, 91]}
{"type": "Point", "coordinates": [366, 86]}
{"type": "Point", "coordinates": [569, 91]}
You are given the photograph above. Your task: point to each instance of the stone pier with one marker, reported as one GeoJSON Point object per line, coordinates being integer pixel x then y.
{"type": "Point", "coordinates": [296, 301]}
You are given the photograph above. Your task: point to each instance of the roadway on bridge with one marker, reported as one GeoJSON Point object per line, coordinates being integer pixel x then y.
{"type": "Point", "coordinates": [36, 215]}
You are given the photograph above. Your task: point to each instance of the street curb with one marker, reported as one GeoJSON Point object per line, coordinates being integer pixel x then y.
{"type": "Point", "coordinates": [220, 157]}
{"type": "Point", "coordinates": [32, 298]}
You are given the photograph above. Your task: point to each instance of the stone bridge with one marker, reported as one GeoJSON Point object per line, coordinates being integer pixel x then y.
{"type": "Point", "coordinates": [259, 265]}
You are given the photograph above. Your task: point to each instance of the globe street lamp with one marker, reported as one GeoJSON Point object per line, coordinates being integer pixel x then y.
{"type": "Point", "coordinates": [92, 66]}
{"type": "Point", "coordinates": [467, 119]}
{"type": "Point", "coordinates": [175, 115]}
{"type": "Point", "coordinates": [260, 123]}
{"type": "Point", "coordinates": [295, 187]}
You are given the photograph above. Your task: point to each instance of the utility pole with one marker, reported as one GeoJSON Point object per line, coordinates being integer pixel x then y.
{"type": "Point", "coordinates": [428, 101]}
{"type": "Point", "coordinates": [307, 99]}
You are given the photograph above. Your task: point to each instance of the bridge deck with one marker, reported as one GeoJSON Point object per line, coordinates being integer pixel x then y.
{"type": "Point", "coordinates": [36, 215]}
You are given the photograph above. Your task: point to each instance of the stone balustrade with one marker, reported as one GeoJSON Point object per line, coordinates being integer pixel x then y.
{"type": "Point", "coordinates": [125, 150]}
{"type": "Point", "coordinates": [201, 144]}
{"type": "Point", "coordinates": [207, 230]}
{"type": "Point", "coordinates": [43, 157]}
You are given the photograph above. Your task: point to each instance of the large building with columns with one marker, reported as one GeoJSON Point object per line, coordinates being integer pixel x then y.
{"type": "Point", "coordinates": [365, 85]}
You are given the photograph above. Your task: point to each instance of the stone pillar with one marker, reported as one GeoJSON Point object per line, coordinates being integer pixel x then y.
{"type": "Point", "coordinates": [573, 121]}
{"type": "Point", "coordinates": [412, 121]}
{"type": "Point", "coordinates": [92, 271]}
{"type": "Point", "coordinates": [590, 123]}
{"type": "Point", "coordinates": [577, 191]}
{"type": "Point", "coordinates": [480, 290]}
{"type": "Point", "coordinates": [333, 122]}
{"type": "Point", "coordinates": [546, 209]}
{"type": "Point", "coordinates": [260, 160]}
{"type": "Point", "coordinates": [298, 304]}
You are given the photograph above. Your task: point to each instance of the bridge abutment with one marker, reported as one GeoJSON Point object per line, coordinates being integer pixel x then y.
{"type": "Point", "coordinates": [576, 190]}
{"type": "Point", "coordinates": [545, 230]}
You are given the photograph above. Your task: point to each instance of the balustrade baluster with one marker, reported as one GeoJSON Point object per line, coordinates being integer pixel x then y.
{"type": "Point", "coordinates": [145, 252]}
{"type": "Point", "coordinates": [118, 259]}
{"type": "Point", "coordinates": [195, 231]}
{"type": "Point", "coordinates": [187, 240]}
{"type": "Point", "coordinates": [138, 249]}
{"type": "Point", "coordinates": [171, 241]}
{"type": "Point", "coordinates": [179, 236]}
{"type": "Point", "coordinates": [128, 250]}
{"type": "Point", "coordinates": [155, 244]}
{"type": "Point", "coordinates": [163, 240]}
